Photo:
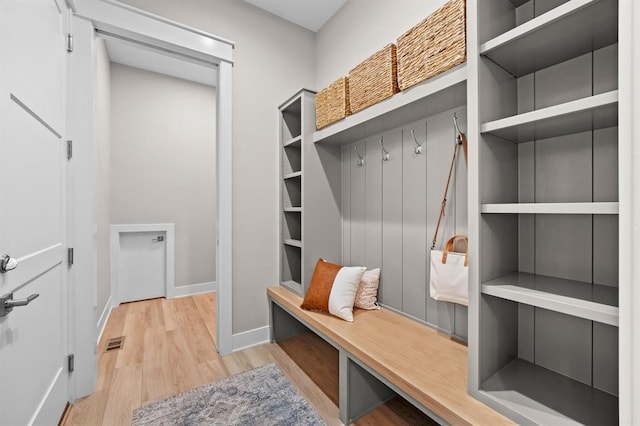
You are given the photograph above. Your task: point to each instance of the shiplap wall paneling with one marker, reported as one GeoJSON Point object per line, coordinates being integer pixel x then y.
{"type": "Point", "coordinates": [358, 205]}
{"type": "Point", "coordinates": [563, 344]}
{"type": "Point", "coordinates": [391, 273]}
{"type": "Point", "coordinates": [605, 188]}
{"type": "Point", "coordinates": [347, 162]}
{"type": "Point", "coordinates": [373, 208]}
{"type": "Point", "coordinates": [460, 323]}
{"type": "Point", "coordinates": [414, 216]}
{"type": "Point", "coordinates": [440, 147]}
{"type": "Point", "coordinates": [386, 220]}
{"type": "Point", "coordinates": [605, 358]}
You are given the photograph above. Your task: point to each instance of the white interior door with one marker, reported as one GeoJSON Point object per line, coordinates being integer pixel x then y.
{"type": "Point", "coordinates": [33, 338]}
{"type": "Point", "coordinates": [142, 265]}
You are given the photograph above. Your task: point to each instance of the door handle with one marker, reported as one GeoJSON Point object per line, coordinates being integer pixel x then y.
{"type": "Point", "coordinates": [7, 263]}
{"type": "Point", "coordinates": [160, 238]}
{"type": "Point", "coordinates": [7, 303]}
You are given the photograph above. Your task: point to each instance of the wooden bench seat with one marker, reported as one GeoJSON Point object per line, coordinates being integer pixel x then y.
{"type": "Point", "coordinates": [405, 357]}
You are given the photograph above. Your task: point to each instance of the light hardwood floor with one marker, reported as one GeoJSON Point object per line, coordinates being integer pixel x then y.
{"type": "Point", "coordinates": [169, 347]}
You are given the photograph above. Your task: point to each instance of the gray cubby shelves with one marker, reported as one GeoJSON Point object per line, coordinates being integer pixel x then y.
{"type": "Point", "coordinates": [542, 394]}
{"type": "Point", "coordinates": [310, 215]}
{"type": "Point", "coordinates": [547, 283]}
{"type": "Point", "coordinates": [581, 299]}
{"type": "Point", "coordinates": [551, 208]}
{"type": "Point", "coordinates": [594, 112]}
{"type": "Point", "coordinates": [291, 128]}
{"type": "Point", "coordinates": [294, 142]}
{"type": "Point", "coordinates": [293, 243]}
{"type": "Point", "coordinates": [567, 31]}
{"type": "Point", "coordinates": [292, 175]}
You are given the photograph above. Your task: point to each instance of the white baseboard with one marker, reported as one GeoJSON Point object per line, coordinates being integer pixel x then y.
{"type": "Point", "coordinates": [104, 317]}
{"type": "Point", "coordinates": [250, 338]}
{"type": "Point", "coordinates": [190, 290]}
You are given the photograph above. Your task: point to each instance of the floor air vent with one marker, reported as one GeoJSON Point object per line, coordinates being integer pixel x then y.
{"type": "Point", "coordinates": [115, 344]}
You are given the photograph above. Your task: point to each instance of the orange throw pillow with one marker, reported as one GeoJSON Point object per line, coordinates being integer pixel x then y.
{"type": "Point", "coordinates": [333, 289]}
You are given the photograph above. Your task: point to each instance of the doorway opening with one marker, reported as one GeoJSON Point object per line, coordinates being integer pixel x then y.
{"type": "Point", "coordinates": [155, 164]}
{"type": "Point", "coordinates": [93, 19]}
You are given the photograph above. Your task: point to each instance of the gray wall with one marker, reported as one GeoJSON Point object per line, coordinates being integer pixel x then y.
{"type": "Point", "coordinates": [273, 60]}
{"type": "Point", "coordinates": [361, 28]}
{"type": "Point", "coordinates": [163, 163]}
{"type": "Point", "coordinates": [103, 167]}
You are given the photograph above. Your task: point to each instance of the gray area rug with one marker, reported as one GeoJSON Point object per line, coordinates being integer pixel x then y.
{"type": "Point", "coordinates": [263, 396]}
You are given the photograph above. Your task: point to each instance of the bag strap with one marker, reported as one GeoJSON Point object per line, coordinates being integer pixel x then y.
{"type": "Point", "coordinates": [461, 139]}
{"type": "Point", "coordinates": [449, 248]}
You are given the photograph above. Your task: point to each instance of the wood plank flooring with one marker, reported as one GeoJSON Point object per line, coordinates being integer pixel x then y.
{"type": "Point", "coordinates": [169, 347]}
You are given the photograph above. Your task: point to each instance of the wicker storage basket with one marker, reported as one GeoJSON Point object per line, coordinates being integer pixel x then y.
{"type": "Point", "coordinates": [435, 45]}
{"type": "Point", "coordinates": [374, 79]}
{"type": "Point", "coordinates": [332, 103]}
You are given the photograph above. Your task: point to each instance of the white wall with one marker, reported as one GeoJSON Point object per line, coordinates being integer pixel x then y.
{"type": "Point", "coordinates": [361, 28]}
{"type": "Point", "coordinates": [163, 163]}
{"type": "Point", "coordinates": [273, 60]}
{"type": "Point", "coordinates": [103, 167]}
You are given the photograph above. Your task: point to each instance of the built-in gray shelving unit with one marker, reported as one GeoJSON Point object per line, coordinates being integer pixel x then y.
{"type": "Point", "coordinates": [291, 128]}
{"type": "Point", "coordinates": [309, 202]}
{"type": "Point", "coordinates": [544, 209]}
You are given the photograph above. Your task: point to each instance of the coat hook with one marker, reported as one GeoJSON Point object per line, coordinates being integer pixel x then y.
{"type": "Point", "coordinates": [458, 132]}
{"type": "Point", "coordinates": [385, 154]}
{"type": "Point", "coordinates": [418, 148]}
{"type": "Point", "coordinates": [360, 160]}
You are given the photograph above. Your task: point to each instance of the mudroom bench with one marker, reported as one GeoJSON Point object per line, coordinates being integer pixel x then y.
{"type": "Point", "coordinates": [381, 354]}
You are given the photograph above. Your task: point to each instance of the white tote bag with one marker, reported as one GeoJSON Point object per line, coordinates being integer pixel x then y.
{"type": "Point", "coordinates": [449, 278]}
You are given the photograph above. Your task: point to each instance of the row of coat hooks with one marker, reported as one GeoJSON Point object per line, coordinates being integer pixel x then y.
{"type": "Point", "coordinates": [417, 148]}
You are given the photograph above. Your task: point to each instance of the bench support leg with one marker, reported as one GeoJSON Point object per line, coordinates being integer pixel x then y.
{"type": "Point", "coordinates": [359, 391]}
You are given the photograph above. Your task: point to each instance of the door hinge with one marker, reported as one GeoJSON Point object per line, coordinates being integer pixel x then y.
{"type": "Point", "coordinates": [69, 42]}
{"type": "Point", "coordinates": [69, 149]}
{"type": "Point", "coordinates": [70, 256]}
{"type": "Point", "coordinates": [70, 363]}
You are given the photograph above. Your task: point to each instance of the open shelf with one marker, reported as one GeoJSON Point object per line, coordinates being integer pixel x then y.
{"type": "Point", "coordinates": [547, 398]}
{"type": "Point", "coordinates": [293, 243]}
{"type": "Point", "coordinates": [292, 285]}
{"type": "Point", "coordinates": [580, 299]}
{"type": "Point", "coordinates": [295, 142]}
{"type": "Point", "coordinates": [552, 208]}
{"type": "Point", "coordinates": [292, 175]}
{"type": "Point", "coordinates": [567, 31]}
{"type": "Point", "coordinates": [594, 112]}
{"type": "Point", "coordinates": [293, 209]}
{"type": "Point", "coordinates": [438, 94]}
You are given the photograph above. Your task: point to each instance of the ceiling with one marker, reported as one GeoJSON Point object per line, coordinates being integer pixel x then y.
{"type": "Point", "coordinates": [311, 14]}
{"type": "Point", "coordinates": [138, 56]}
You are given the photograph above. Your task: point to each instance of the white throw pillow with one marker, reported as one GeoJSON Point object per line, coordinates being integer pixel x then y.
{"type": "Point", "coordinates": [343, 292]}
